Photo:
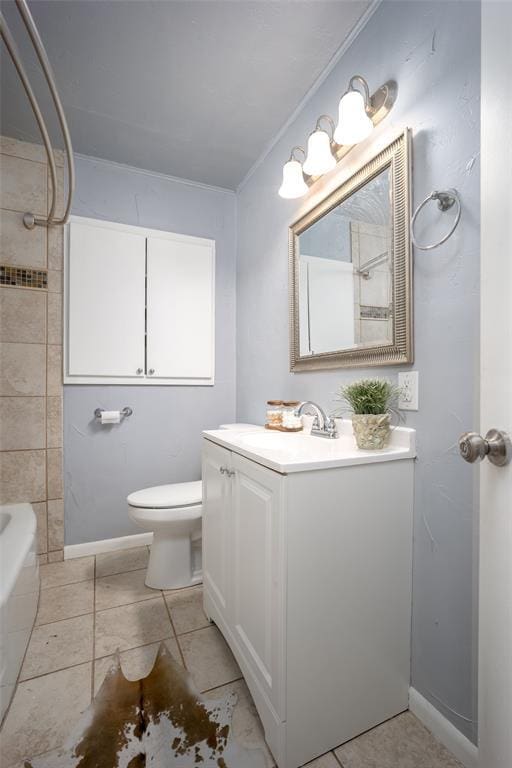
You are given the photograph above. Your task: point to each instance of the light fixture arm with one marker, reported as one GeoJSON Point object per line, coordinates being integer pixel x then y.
{"type": "Point", "coordinates": [330, 122]}
{"type": "Point", "coordinates": [360, 79]}
{"type": "Point", "coordinates": [299, 149]}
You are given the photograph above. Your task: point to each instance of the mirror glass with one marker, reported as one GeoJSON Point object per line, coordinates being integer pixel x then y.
{"type": "Point", "coordinates": [345, 273]}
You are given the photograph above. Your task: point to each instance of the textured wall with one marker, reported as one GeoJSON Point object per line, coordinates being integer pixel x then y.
{"type": "Point", "coordinates": [31, 344]}
{"type": "Point", "coordinates": [160, 442]}
{"type": "Point", "coordinates": [432, 50]}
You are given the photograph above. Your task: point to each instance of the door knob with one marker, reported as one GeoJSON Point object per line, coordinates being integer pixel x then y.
{"type": "Point", "coordinates": [496, 446]}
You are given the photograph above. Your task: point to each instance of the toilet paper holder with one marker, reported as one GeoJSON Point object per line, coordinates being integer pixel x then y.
{"type": "Point", "coordinates": [126, 411]}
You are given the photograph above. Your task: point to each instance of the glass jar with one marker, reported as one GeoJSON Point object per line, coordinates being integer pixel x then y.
{"type": "Point", "coordinates": [290, 421]}
{"type": "Point", "coordinates": [274, 417]}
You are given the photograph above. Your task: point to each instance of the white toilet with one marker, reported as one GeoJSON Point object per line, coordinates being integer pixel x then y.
{"type": "Point", "coordinates": [173, 512]}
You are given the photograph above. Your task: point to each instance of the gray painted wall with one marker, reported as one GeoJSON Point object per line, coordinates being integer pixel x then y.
{"type": "Point", "coordinates": [432, 50]}
{"type": "Point", "coordinates": [160, 443]}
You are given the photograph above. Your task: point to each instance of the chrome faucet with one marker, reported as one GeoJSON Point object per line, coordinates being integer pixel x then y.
{"type": "Point", "coordinates": [327, 427]}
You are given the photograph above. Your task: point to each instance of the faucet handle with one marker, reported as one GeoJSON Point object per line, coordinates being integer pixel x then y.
{"type": "Point", "coordinates": [330, 427]}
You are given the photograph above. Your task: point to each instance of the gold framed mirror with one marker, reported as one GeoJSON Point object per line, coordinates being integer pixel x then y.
{"type": "Point", "coordinates": [351, 272]}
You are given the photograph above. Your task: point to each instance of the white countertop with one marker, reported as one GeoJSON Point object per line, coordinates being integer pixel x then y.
{"type": "Point", "coordinates": [299, 452]}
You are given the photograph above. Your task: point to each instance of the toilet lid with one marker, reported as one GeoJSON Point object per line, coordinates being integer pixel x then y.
{"type": "Point", "coordinates": [173, 495]}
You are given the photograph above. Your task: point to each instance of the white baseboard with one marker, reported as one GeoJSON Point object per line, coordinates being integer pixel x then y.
{"type": "Point", "coordinates": [107, 545]}
{"type": "Point", "coordinates": [460, 746]}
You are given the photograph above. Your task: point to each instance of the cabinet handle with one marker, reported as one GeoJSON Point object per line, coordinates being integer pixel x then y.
{"type": "Point", "coordinates": [230, 472]}
{"type": "Point", "coordinates": [151, 371]}
{"type": "Point", "coordinates": [223, 470]}
{"type": "Point", "coordinates": [139, 371]}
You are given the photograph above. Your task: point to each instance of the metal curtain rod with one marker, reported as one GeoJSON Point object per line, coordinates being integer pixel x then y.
{"type": "Point", "coordinates": [29, 219]}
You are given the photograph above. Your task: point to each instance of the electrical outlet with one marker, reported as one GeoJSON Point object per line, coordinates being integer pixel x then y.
{"type": "Point", "coordinates": [408, 384]}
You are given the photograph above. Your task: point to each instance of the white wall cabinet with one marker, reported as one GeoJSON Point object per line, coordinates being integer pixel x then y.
{"type": "Point", "coordinates": [308, 577]}
{"type": "Point", "coordinates": [139, 306]}
{"type": "Point", "coordinates": [179, 308]}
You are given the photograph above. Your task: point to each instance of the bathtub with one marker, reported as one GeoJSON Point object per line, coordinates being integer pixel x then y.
{"type": "Point", "coordinates": [19, 592]}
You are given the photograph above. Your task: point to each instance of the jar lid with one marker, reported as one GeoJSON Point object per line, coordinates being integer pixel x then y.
{"type": "Point", "coordinates": [275, 402]}
{"type": "Point", "coordinates": [291, 403]}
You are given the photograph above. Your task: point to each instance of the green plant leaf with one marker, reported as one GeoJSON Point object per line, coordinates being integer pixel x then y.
{"type": "Point", "coordinates": [369, 396]}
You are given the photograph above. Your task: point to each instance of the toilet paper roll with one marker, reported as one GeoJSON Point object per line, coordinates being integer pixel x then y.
{"type": "Point", "coordinates": [110, 417]}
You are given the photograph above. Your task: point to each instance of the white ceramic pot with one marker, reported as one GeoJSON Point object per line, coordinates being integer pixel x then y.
{"type": "Point", "coordinates": [372, 432]}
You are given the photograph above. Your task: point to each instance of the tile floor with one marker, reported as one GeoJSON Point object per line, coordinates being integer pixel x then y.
{"type": "Point", "coordinates": [91, 606]}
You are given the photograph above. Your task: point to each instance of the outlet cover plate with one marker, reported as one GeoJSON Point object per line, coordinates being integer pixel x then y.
{"type": "Point", "coordinates": [408, 383]}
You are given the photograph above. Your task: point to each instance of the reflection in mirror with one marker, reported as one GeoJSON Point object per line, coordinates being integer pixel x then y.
{"type": "Point", "coordinates": [346, 273]}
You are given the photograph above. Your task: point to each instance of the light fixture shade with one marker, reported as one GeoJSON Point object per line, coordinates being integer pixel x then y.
{"type": "Point", "coordinates": [354, 125]}
{"type": "Point", "coordinates": [293, 181]}
{"type": "Point", "coordinates": [319, 157]}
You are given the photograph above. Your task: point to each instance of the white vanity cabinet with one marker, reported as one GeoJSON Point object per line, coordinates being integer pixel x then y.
{"type": "Point", "coordinates": [139, 306]}
{"type": "Point", "coordinates": [308, 576]}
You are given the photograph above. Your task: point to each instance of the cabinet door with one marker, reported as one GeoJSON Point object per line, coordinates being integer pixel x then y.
{"type": "Point", "coordinates": [216, 525]}
{"type": "Point", "coordinates": [180, 309]}
{"type": "Point", "coordinates": [258, 581]}
{"type": "Point", "coordinates": [105, 299]}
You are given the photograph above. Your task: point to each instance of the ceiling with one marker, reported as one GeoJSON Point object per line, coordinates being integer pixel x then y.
{"type": "Point", "coordinates": [194, 89]}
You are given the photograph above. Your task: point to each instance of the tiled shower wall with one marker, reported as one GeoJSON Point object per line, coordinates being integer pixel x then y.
{"type": "Point", "coordinates": [31, 344]}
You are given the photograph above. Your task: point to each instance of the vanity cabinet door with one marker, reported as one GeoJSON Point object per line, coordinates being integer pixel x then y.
{"type": "Point", "coordinates": [216, 525]}
{"type": "Point", "coordinates": [257, 613]}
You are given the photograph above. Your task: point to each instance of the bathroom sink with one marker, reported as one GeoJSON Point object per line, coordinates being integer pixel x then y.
{"type": "Point", "coordinates": [272, 440]}
{"type": "Point", "coordinates": [299, 452]}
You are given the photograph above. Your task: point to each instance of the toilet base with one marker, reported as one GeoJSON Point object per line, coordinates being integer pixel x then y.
{"type": "Point", "coordinates": [170, 562]}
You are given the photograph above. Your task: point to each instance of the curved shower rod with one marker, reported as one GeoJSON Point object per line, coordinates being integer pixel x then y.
{"type": "Point", "coordinates": [29, 219]}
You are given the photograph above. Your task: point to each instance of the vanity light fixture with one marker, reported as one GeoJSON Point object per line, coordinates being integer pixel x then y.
{"type": "Point", "coordinates": [354, 123]}
{"type": "Point", "coordinates": [358, 113]}
{"type": "Point", "coordinates": [319, 157]}
{"type": "Point", "coordinates": [293, 184]}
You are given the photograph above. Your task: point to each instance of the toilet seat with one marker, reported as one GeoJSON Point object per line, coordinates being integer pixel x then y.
{"type": "Point", "coordinates": [175, 495]}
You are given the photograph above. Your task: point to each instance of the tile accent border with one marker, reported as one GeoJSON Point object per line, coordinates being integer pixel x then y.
{"type": "Point", "coordinates": [23, 277]}
{"type": "Point", "coordinates": [455, 741]}
{"type": "Point", "coordinates": [368, 312]}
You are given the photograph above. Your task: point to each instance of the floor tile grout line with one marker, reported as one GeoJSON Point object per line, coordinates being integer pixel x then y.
{"type": "Point", "coordinates": [121, 605]}
{"type": "Point", "coordinates": [79, 581]}
{"type": "Point", "coordinates": [54, 671]}
{"type": "Point", "coordinates": [66, 618]}
{"type": "Point", "coordinates": [197, 629]}
{"type": "Point", "coordinates": [134, 602]}
{"type": "Point", "coordinates": [95, 658]}
{"type": "Point", "coordinates": [100, 610]}
{"type": "Point", "coordinates": [136, 647]}
{"type": "Point", "coordinates": [168, 609]}
{"type": "Point", "coordinates": [337, 758]}
{"type": "Point", "coordinates": [221, 685]}
{"type": "Point", "coordinates": [93, 661]}
{"type": "Point", "coordinates": [120, 573]}
{"type": "Point", "coordinates": [66, 584]}
{"type": "Point", "coordinates": [145, 599]}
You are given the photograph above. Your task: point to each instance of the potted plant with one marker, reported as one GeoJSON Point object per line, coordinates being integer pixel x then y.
{"type": "Point", "coordinates": [371, 402]}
